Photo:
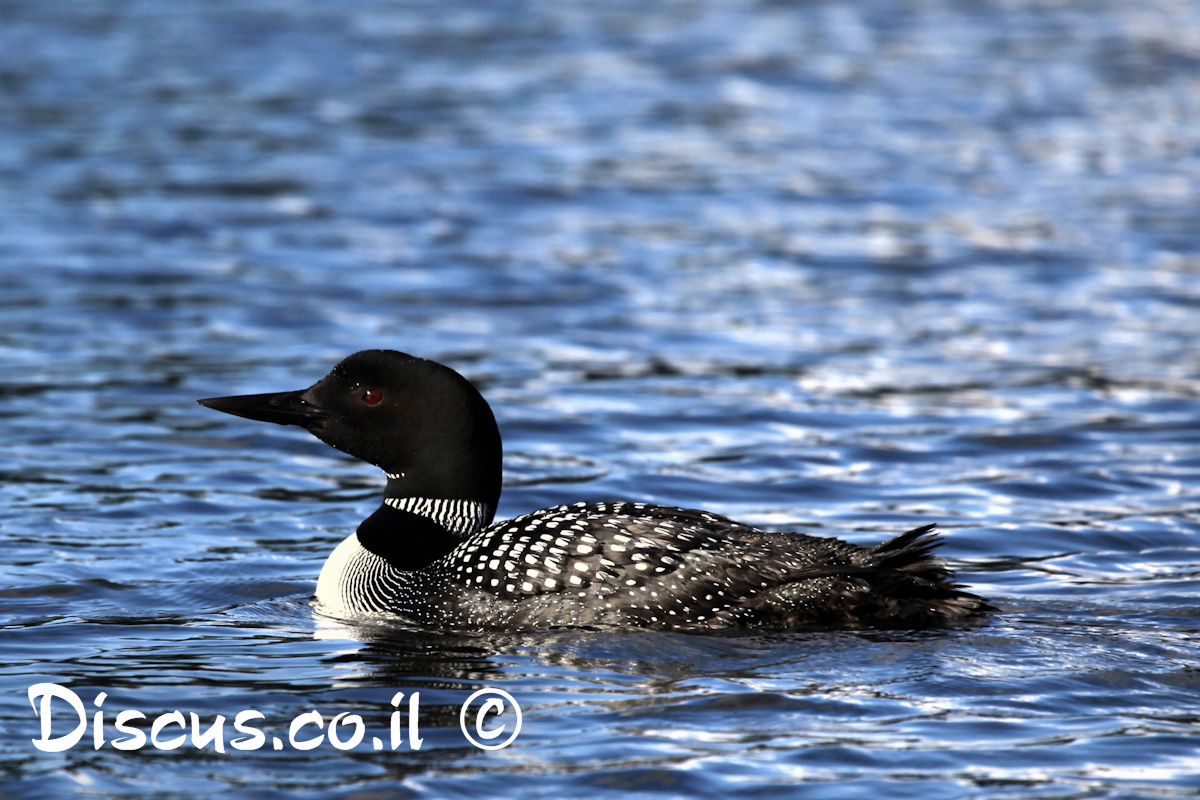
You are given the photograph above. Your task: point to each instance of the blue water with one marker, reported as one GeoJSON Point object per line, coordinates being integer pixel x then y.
{"type": "Point", "coordinates": [840, 267]}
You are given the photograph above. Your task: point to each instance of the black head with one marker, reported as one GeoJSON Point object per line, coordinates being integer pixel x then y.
{"type": "Point", "coordinates": [422, 423]}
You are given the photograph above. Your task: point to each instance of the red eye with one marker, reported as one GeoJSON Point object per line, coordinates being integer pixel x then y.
{"type": "Point", "coordinates": [372, 397]}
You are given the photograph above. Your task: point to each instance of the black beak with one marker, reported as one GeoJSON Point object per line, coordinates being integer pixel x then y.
{"type": "Point", "coordinates": [282, 408]}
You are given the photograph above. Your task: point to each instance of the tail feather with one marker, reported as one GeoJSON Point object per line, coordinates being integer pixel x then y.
{"type": "Point", "coordinates": [911, 551]}
{"type": "Point", "coordinates": [910, 571]}
{"type": "Point", "coordinates": [900, 583]}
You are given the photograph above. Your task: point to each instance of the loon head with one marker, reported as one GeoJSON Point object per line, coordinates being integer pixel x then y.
{"type": "Point", "coordinates": [422, 423]}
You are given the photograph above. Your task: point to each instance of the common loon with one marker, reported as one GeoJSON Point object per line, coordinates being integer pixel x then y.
{"type": "Point", "coordinates": [430, 554]}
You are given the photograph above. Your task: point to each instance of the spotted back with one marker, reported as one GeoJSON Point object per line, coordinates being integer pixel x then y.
{"type": "Point", "coordinates": [625, 563]}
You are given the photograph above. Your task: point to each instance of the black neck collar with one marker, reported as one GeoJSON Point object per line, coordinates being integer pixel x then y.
{"type": "Point", "coordinates": [405, 540]}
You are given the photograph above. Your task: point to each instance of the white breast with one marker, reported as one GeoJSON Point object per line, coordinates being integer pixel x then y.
{"type": "Point", "coordinates": [333, 581]}
{"type": "Point", "coordinates": [356, 581]}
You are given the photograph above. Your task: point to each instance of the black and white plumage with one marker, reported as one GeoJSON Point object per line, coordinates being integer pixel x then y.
{"type": "Point", "coordinates": [429, 555]}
